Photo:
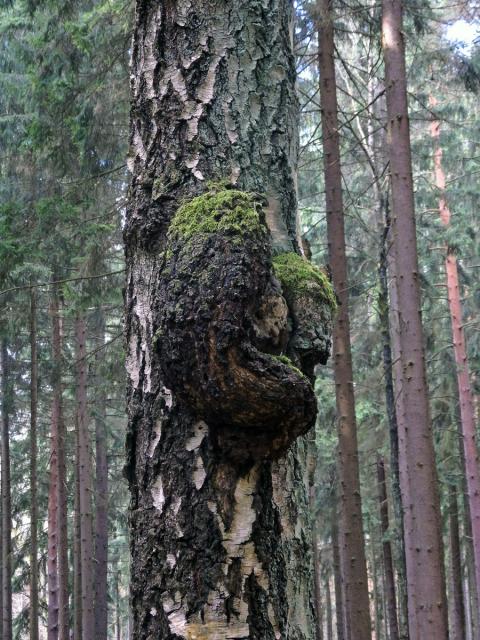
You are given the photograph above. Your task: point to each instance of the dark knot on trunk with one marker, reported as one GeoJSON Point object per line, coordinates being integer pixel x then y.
{"type": "Point", "coordinates": [237, 332]}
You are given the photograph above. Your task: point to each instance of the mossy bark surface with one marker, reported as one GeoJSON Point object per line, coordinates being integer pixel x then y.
{"type": "Point", "coordinates": [218, 398]}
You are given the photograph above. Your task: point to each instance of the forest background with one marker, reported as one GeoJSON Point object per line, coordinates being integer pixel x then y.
{"type": "Point", "coordinates": [64, 110]}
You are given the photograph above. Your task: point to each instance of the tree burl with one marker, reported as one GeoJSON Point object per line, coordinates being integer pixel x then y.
{"type": "Point", "coordinates": [239, 331]}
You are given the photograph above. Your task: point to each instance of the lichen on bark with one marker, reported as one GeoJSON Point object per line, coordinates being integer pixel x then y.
{"type": "Point", "coordinates": [223, 316]}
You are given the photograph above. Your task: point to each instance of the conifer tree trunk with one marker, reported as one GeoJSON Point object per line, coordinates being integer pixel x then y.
{"type": "Point", "coordinates": [58, 626]}
{"type": "Point", "coordinates": [385, 300]}
{"type": "Point", "coordinates": [84, 486]}
{"type": "Point", "coordinates": [387, 306]}
{"type": "Point", "coordinates": [328, 607]}
{"type": "Point", "coordinates": [1, 575]}
{"type": "Point", "coordinates": [458, 621]}
{"type": "Point", "coordinates": [77, 547]}
{"type": "Point", "coordinates": [34, 610]}
{"type": "Point", "coordinates": [337, 575]}
{"type": "Point", "coordinates": [467, 411]}
{"type": "Point", "coordinates": [52, 553]}
{"type": "Point", "coordinates": [352, 545]}
{"type": "Point", "coordinates": [427, 608]}
{"type": "Point", "coordinates": [220, 533]}
{"type": "Point", "coordinates": [318, 583]}
{"type": "Point", "coordinates": [6, 499]}
{"type": "Point", "coordinates": [101, 487]}
{"type": "Point", "coordinates": [387, 553]}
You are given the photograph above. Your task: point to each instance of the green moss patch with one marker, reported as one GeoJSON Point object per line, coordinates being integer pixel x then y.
{"type": "Point", "coordinates": [286, 361]}
{"type": "Point", "coordinates": [226, 211]}
{"type": "Point", "coordinates": [301, 277]}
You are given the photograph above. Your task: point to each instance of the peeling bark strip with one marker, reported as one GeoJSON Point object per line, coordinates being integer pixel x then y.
{"type": "Point", "coordinates": [216, 355]}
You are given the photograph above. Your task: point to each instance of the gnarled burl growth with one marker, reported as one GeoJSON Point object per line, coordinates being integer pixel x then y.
{"type": "Point", "coordinates": [238, 333]}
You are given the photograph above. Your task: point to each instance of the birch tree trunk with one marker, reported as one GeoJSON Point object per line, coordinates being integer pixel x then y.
{"type": "Point", "coordinates": [427, 608]}
{"type": "Point", "coordinates": [220, 532]}
{"type": "Point", "coordinates": [352, 543]}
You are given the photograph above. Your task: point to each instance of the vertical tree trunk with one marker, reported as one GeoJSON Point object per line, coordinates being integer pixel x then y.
{"type": "Point", "coordinates": [77, 546]}
{"type": "Point", "coordinates": [1, 573]}
{"type": "Point", "coordinates": [328, 607]}
{"type": "Point", "coordinates": [118, 626]}
{"type": "Point", "coordinates": [6, 498]}
{"type": "Point", "coordinates": [385, 302]}
{"type": "Point", "coordinates": [458, 618]}
{"type": "Point", "coordinates": [318, 582]}
{"type": "Point", "coordinates": [387, 553]}
{"type": "Point", "coordinates": [58, 483]}
{"type": "Point", "coordinates": [85, 479]}
{"type": "Point", "coordinates": [352, 545]}
{"type": "Point", "coordinates": [427, 608]}
{"type": "Point", "coordinates": [218, 518]}
{"type": "Point", "coordinates": [101, 487]}
{"type": "Point", "coordinates": [337, 575]}
{"type": "Point", "coordinates": [376, 607]}
{"type": "Point", "coordinates": [34, 611]}
{"type": "Point", "coordinates": [467, 411]}
{"type": "Point", "coordinates": [52, 553]}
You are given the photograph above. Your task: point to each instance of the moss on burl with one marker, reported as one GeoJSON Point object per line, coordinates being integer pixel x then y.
{"type": "Point", "coordinates": [299, 277]}
{"type": "Point", "coordinates": [226, 211]}
{"type": "Point", "coordinates": [287, 362]}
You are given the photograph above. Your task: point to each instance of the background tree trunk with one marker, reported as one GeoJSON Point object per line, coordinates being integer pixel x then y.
{"type": "Point", "coordinates": [339, 608]}
{"type": "Point", "coordinates": [34, 611]}
{"type": "Point", "coordinates": [6, 499]}
{"type": "Point", "coordinates": [458, 608]}
{"type": "Point", "coordinates": [52, 559]}
{"type": "Point", "coordinates": [58, 480]}
{"type": "Point", "coordinates": [328, 607]}
{"type": "Point", "coordinates": [352, 544]}
{"type": "Point", "coordinates": [228, 541]}
{"type": "Point", "coordinates": [77, 545]}
{"type": "Point", "coordinates": [85, 478]}
{"type": "Point", "coordinates": [427, 608]}
{"type": "Point", "coordinates": [467, 412]}
{"type": "Point", "coordinates": [387, 553]}
{"type": "Point", "coordinates": [101, 486]}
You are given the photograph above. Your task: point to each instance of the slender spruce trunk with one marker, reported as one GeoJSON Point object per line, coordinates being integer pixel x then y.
{"type": "Point", "coordinates": [77, 545]}
{"type": "Point", "coordinates": [34, 608]}
{"type": "Point", "coordinates": [1, 573]}
{"type": "Point", "coordinates": [427, 608]}
{"type": "Point", "coordinates": [60, 601]}
{"type": "Point", "coordinates": [7, 628]}
{"type": "Point", "coordinates": [85, 480]}
{"type": "Point", "coordinates": [337, 575]}
{"type": "Point", "coordinates": [328, 606]}
{"type": "Point", "coordinates": [352, 544]}
{"type": "Point", "coordinates": [458, 607]}
{"type": "Point", "coordinates": [317, 562]}
{"type": "Point", "coordinates": [385, 314]}
{"type": "Point", "coordinates": [52, 552]}
{"type": "Point", "coordinates": [465, 395]}
{"type": "Point", "coordinates": [101, 486]}
{"type": "Point", "coordinates": [387, 553]}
